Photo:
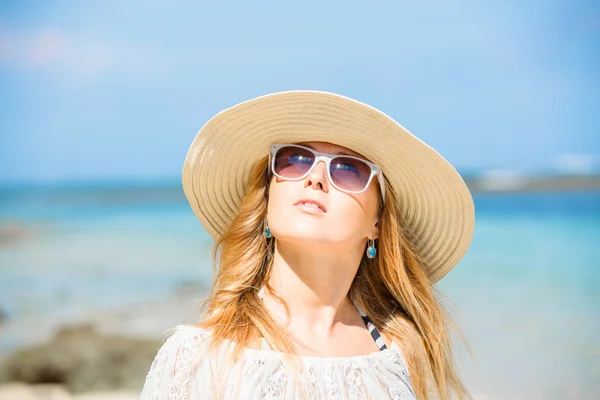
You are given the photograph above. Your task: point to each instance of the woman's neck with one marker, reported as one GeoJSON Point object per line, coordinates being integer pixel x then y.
{"type": "Point", "coordinates": [313, 285]}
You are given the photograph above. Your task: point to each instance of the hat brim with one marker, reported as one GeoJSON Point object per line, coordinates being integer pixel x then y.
{"type": "Point", "coordinates": [434, 201]}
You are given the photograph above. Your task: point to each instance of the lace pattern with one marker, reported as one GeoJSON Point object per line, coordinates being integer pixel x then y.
{"type": "Point", "coordinates": [180, 371]}
{"type": "Point", "coordinates": [178, 359]}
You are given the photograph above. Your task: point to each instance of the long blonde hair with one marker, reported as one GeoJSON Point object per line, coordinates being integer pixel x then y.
{"type": "Point", "coordinates": [393, 289]}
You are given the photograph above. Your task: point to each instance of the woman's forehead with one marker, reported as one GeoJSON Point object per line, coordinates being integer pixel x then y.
{"type": "Point", "coordinates": [331, 148]}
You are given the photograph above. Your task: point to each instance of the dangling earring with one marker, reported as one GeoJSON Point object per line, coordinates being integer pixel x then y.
{"type": "Point", "coordinates": [267, 231]}
{"type": "Point", "coordinates": [371, 250]}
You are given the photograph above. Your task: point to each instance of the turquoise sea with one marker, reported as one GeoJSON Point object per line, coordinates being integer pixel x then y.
{"type": "Point", "coordinates": [526, 295]}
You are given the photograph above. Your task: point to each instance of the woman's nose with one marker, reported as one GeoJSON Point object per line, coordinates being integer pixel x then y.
{"type": "Point", "coordinates": [317, 178]}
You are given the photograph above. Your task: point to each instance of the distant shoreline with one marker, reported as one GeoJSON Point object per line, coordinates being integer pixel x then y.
{"type": "Point", "coordinates": [171, 192]}
{"type": "Point", "coordinates": [525, 183]}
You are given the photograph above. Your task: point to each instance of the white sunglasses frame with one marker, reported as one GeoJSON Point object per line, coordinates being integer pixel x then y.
{"type": "Point", "coordinates": [326, 158]}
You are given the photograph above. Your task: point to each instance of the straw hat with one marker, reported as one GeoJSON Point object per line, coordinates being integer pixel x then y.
{"type": "Point", "coordinates": [437, 207]}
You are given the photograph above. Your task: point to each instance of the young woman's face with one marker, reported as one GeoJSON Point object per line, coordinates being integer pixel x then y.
{"type": "Point", "coordinates": [342, 219]}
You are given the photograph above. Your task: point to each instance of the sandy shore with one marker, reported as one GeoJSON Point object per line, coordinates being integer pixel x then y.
{"type": "Point", "coordinates": [152, 320]}
{"type": "Point", "coordinates": [138, 321]}
{"type": "Point", "coordinates": [145, 320]}
{"type": "Point", "coordinates": [19, 391]}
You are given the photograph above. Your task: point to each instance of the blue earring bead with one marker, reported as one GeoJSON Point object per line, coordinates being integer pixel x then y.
{"type": "Point", "coordinates": [268, 233]}
{"type": "Point", "coordinates": [371, 250]}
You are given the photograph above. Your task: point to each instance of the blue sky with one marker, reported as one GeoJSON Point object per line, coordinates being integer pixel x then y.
{"type": "Point", "coordinates": [113, 90]}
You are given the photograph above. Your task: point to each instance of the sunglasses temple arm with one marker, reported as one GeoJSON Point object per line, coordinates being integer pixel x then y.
{"type": "Point", "coordinates": [269, 164]}
{"type": "Point", "coordinates": [381, 185]}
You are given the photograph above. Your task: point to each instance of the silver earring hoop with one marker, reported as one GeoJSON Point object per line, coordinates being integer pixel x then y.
{"type": "Point", "coordinates": [371, 250]}
{"type": "Point", "coordinates": [267, 231]}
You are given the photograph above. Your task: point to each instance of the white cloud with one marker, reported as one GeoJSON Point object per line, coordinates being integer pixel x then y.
{"type": "Point", "coordinates": [46, 48]}
{"type": "Point", "coordinates": [75, 56]}
{"type": "Point", "coordinates": [578, 163]}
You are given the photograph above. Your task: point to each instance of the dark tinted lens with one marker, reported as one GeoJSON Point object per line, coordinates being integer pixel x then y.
{"type": "Point", "coordinates": [293, 162]}
{"type": "Point", "coordinates": [349, 173]}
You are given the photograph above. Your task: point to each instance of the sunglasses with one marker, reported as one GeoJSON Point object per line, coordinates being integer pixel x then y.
{"type": "Point", "coordinates": [348, 174]}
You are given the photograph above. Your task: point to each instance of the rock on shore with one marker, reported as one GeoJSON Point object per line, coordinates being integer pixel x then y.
{"type": "Point", "coordinates": [82, 360]}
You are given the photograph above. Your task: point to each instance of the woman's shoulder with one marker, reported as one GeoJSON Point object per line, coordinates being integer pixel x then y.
{"type": "Point", "coordinates": [176, 361]}
{"type": "Point", "coordinates": [182, 337]}
{"type": "Point", "coordinates": [180, 342]}
{"type": "Point", "coordinates": [186, 333]}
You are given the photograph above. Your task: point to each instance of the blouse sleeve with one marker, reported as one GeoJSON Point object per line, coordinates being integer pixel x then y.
{"type": "Point", "coordinates": [172, 373]}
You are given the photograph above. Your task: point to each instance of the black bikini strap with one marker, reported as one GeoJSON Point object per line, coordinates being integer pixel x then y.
{"type": "Point", "coordinates": [374, 332]}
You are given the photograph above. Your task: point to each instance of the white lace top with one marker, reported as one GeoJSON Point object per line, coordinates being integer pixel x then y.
{"type": "Point", "coordinates": [179, 373]}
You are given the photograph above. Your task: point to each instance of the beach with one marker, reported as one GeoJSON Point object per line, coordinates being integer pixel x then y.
{"type": "Point", "coordinates": [129, 264]}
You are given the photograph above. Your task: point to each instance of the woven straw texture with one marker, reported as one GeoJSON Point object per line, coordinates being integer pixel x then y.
{"type": "Point", "coordinates": [435, 203]}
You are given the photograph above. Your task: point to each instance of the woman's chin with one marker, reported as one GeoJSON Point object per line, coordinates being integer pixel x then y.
{"type": "Point", "coordinates": [303, 236]}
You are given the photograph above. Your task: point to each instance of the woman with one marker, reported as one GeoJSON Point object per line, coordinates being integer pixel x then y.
{"type": "Point", "coordinates": [332, 225]}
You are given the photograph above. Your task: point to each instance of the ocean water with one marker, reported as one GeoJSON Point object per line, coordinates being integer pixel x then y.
{"type": "Point", "coordinates": [525, 295]}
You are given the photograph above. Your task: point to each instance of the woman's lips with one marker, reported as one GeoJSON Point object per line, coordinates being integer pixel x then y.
{"type": "Point", "coordinates": [311, 206]}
